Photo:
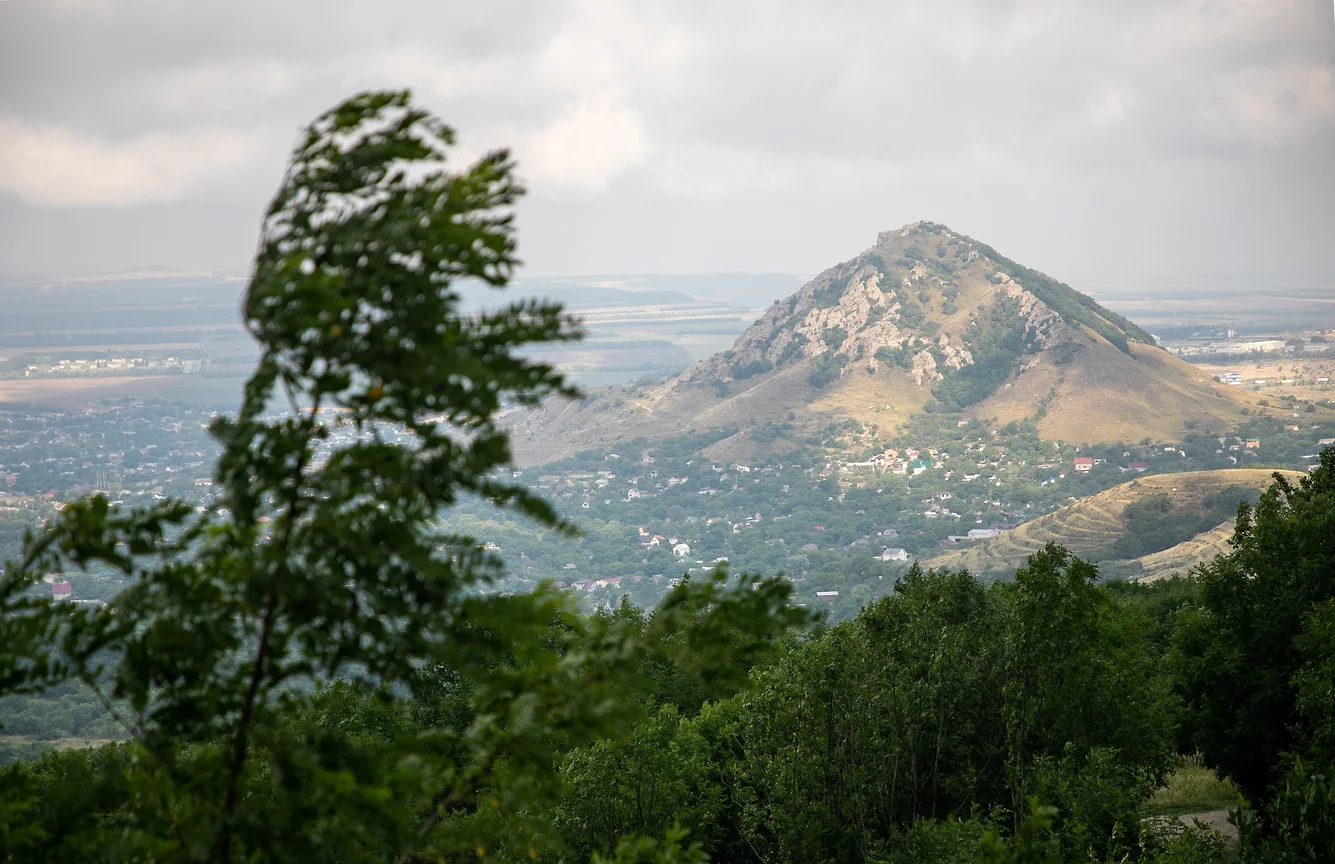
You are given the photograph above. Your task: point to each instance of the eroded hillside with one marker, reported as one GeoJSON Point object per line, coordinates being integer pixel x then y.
{"type": "Point", "coordinates": [1098, 527]}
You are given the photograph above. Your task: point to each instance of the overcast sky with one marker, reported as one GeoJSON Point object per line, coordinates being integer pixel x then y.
{"type": "Point", "coordinates": [1100, 140]}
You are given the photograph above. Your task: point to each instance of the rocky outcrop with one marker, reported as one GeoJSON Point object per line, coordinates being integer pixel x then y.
{"type": "Point", "coordinates": [924, 371]}
{"type": "Point", "coordinates": [1042, 321]}
{"type": "Point", "coordinates": [899, 295]}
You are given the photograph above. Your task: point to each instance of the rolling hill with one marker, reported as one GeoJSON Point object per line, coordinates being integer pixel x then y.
{"type": "Point", "coordinates": [925, 320]}
{"type": "Point", "coordinates": [1101, 526]}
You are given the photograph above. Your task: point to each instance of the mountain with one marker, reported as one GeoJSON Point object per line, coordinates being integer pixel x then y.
{"type": "Point", "coordinates": [925, 320]}
{"type": "Point", "coordinates": [1152, 527]}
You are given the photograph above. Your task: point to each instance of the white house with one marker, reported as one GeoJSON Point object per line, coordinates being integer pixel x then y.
{"type": "Point", "coordinates": [889, 554]}
{"type": "Point", "coordinates": [681, 550]}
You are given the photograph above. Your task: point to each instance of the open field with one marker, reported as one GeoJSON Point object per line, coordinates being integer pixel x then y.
{"type": "Point", "coordinates": [592, 355]}
{"type": "Point", "coordinates": [6, 353]}
{"type": "Point", "coordinates": [1191, 788]}
{"type": "Point", "coordinates": [1303, 373]}
{"type": "Point", "coordinates": [63, 393]}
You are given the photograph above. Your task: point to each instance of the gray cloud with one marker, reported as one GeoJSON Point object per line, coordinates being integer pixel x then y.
{"type": "Point", "coordinates": [1095, 140]}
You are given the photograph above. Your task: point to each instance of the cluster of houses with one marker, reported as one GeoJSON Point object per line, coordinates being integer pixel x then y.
{"type": "Point", "coordinates": [996, 529]}
{"type": "Point", "coordinates": [906, 462]}
{"type": "Point", "coordinates": [64, 591]}
{"type": "Point", "coordinates": [641, 480]}
{"type": "Point", "coordinates": [111, 366]}
{"type": "Point", "coordinates": [54, 456]}
{"type": "Point", "coordinates": [1228, 345]}
{"type": "Point", "coordinates": [1236, 379]}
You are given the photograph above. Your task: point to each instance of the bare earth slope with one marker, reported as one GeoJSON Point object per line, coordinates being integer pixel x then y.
{"type": "Point", "coordinates": [1093, 523]}
{"type": "Point", "coordinates": [924, 316]}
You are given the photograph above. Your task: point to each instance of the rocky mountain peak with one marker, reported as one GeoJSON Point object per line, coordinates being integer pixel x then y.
{"type": "Point", "coordinates": [923, 298]}
{"type": "Point", "coordinates": [926, 320]}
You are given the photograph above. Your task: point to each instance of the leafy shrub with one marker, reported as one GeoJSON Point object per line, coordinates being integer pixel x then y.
{"type": "Point", "coordinates": [1098, 798]}
{"type": "Point", "coordinates": [901, 357]}
{"type": "Point", "coordinates": [995, 351]}
{"type": "Point", "coordinates": [1298, 824]}
{"type": "Point", "coordinates": [833, 337]}
{"type": "Point", "coordinates": [831, 292]}
{"type": "Point", "coordinates": [793, 350]}
{"type": "Point", "coordinates": [1154, 523]}
{"type": "Point", "coordinates": [742, 371]}
{"type": "Point", "coordinates": [827, 368]}
{"type": "Point", "coordinates": [911, 312]}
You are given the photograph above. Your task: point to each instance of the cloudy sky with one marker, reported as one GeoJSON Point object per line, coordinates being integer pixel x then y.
{"type": "Point", "coordinates": [1099, 140]}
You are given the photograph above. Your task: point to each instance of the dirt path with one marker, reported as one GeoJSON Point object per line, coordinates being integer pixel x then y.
{"type": "Point", "coordinates": [1212, 820]}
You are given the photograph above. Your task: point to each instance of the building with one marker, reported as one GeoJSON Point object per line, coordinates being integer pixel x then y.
{"type": "Point", "coordinates": [681, 550]}
{"type": "Point", "coordinates": [62, 590]}
{"type": "Point", "coordinates": [1084, 463]}
{"type": "Point", "coordinates": [827, 596]}
{"type": "Point", "coordinates": [892, 554]}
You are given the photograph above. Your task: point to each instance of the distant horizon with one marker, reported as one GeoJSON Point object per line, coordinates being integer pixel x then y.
{"type": "Point", "coordinates": [1074, 281]}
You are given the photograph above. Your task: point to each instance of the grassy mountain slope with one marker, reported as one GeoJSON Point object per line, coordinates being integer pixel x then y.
{"type": "Point", "coordinates": [1097, 527]}
{"type": "Point", "coordinates": [927, 319]}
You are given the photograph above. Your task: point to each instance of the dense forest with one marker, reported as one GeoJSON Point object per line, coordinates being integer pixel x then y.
{"type": "Point", "coordinates": [308, 670]}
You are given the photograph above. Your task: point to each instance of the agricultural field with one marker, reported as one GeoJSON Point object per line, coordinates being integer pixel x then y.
{"type": "Point", "coordinates": [62, 393]}
{"type": "Point", "coordinates": [1304, 373]}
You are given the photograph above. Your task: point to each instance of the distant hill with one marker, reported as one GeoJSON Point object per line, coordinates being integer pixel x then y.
{"type": "Point", "coordinates": [1189, 515]}
{"type": "Point", "coordinates": [925, 320]}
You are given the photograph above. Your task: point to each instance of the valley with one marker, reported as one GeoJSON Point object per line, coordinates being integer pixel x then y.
{"type": "Point", "coordinates": [74, 334]}
{"type": "Point", "coordinates": [928, 400]}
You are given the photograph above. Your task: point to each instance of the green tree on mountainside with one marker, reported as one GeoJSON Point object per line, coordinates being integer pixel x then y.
{"type": "Point", "coordinates": [309, 672]}
{"type": "Point", "coordinates": [1239, 655]}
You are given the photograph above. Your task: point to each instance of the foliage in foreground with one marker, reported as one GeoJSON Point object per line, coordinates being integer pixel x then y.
{"type": "Point", "coordinates": [1255, 658]}
{"type": "Point", "coordinates": [322, 566]}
